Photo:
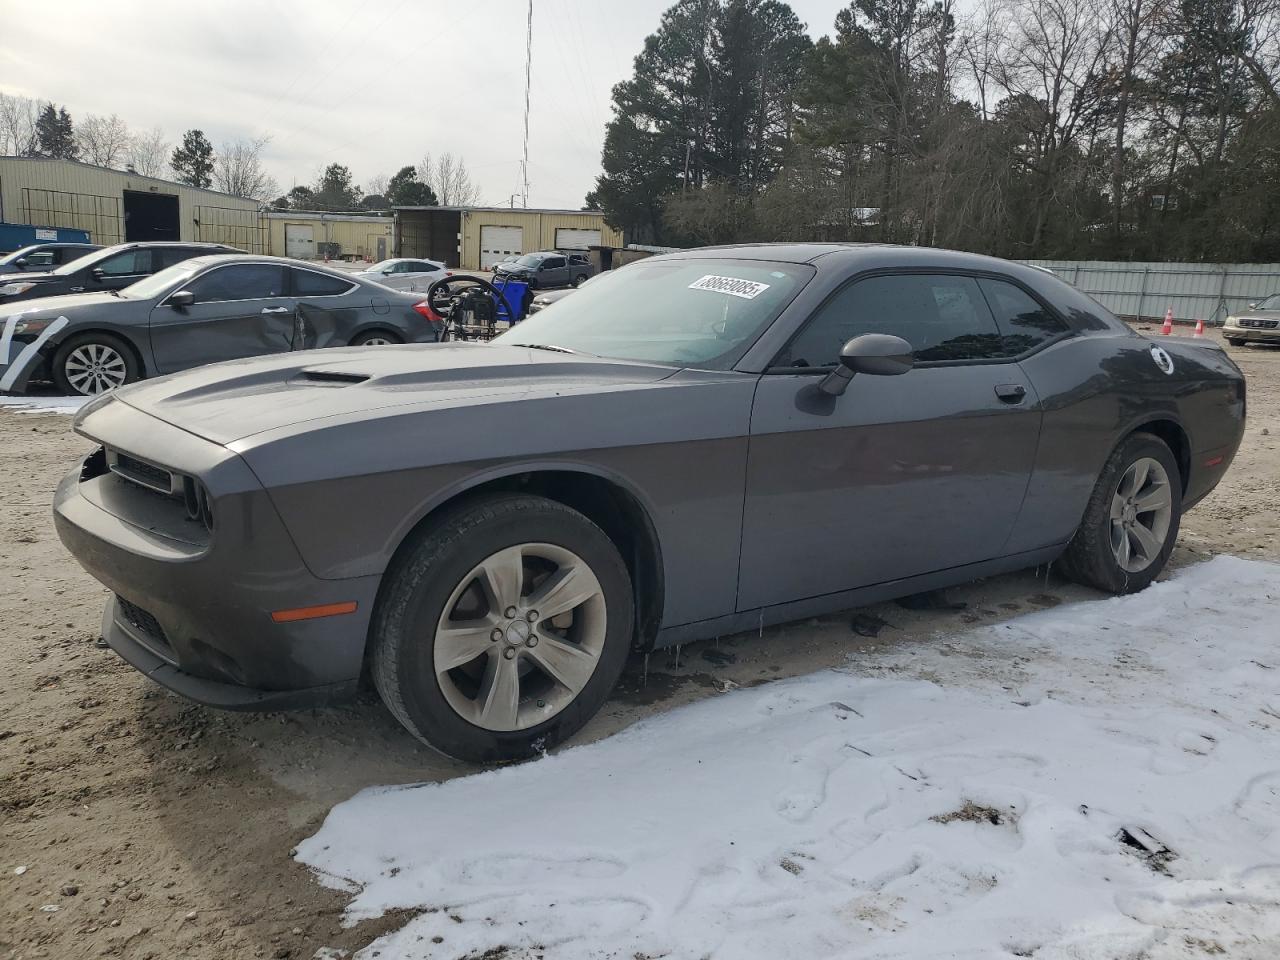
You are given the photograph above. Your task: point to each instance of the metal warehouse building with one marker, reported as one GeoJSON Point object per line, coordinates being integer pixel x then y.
{"type": "Point", "coordinates": [309, 236]}
{"type": "Point", "coordinates": [115, 206]}
{"type": "Point", "coordinates": [474, 238]}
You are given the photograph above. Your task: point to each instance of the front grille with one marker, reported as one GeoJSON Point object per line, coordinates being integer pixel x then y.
{"type": "Point", "coordinates": [141, 619]}
{"type": "Point", "coordinates": [140, 472]}
{"type": "Point", "coordinates": [1258, 323]}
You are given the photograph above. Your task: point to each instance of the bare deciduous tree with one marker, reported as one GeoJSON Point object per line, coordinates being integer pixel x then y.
{"type": "Point", "coordinates": [102, 140]}
{"type": "Point", "coordinates": [449, 178]}
{"type": "Point", "coordinates": [238, 170]}
{"type": "Point", "coordinates": [148, 153]}
{"type": "Point", "coordinates": [377, 185]}
{"type": "Point", "coordinates": [18, 117]}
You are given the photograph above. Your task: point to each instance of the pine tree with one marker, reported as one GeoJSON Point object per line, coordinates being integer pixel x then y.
{"type": "Point", "coordinates": [192, 162]}
{"type": "Point", "coordinates": [55, 136]}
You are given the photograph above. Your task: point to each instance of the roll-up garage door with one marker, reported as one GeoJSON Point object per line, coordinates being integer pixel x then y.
{"type": "Point", "coordinates": [499, 242]}
{"type": "Point", "coordinates": [571, 239]}
{"type": "Point", "coordinates": [299, 241]}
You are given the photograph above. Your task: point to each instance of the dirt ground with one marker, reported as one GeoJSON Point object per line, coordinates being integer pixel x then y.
{"type": "Point", "coordinates": [133, 824]}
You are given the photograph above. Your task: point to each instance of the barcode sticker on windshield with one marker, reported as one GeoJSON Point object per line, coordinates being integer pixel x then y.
{"type": "Point", "coordinates": [746, 289]}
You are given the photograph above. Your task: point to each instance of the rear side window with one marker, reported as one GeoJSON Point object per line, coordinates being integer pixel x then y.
{"type": "Point", "coordinates": [943, 317]}
{"type": "Point", "coordinates": [1025, 323]}
{"type": "Point", "coordinates": [308, 283]}
{"type": "Point", "coordinates": [242, 281]}
{"type": "Point", "coordinates": [128, 263]}
{"type": "Point", "coordinates": [168, 256]}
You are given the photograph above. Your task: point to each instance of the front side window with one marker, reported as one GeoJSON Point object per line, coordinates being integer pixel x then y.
{"type": "Point", "coordinates": [702, 313]}
{"type": "Point", "coordinates": [42, 259]}
{"type": "Point", "coordinates": [129, 263]}
{"type": "Point", "coordinates": [309, 283]}
{"type": "Point", "coordinates": [241, 281]}
{"type": "Point", "coordinates": [1025, 323]}
{"type": "Point", "coordinates": [942, 317]}
{"type": "Point", "coordinates": [552, 262]}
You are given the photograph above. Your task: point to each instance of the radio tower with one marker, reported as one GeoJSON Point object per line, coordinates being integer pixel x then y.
{"type": "Point", "coordinates": [528, 76]}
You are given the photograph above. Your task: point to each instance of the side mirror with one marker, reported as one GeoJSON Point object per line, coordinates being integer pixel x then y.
{"type": "Point", "coordinates": [97, 273]}
{"type": "Point", "coordinates": [21, 263]}
{"type": "Point", "coordinates": [875, 354]}
{"type": "Point", "coordinates": [1252, 305]}
{"type": "Point", "coordinates": [387, 272]}
{"type": "Point", "coordinates": [182, 299]}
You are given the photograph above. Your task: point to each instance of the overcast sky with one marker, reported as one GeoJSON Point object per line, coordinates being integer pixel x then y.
{"type": "Point", "coordinates": [371, 85]}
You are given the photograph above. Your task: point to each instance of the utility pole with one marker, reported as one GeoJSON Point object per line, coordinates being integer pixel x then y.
{"type": "Point", "coordinates": [528, 77]}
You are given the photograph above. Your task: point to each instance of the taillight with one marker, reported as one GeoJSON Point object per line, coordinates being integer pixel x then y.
{"type": "Point", "coordinates": [424, 307]}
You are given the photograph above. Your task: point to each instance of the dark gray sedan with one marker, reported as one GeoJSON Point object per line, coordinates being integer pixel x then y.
{"type": "Point", "coordinates": [693, 445]}
{"type": "Point", "coordinates": [201, 311]}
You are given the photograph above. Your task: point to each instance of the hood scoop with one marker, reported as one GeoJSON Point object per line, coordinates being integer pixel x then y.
{"type": "Point", "coordinates": [331, 378]}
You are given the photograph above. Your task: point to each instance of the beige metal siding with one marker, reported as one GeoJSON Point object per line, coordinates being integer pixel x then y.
{"type": "Point", "coordinates": [539, 229]}
{"type": "Point", "coordinates": [63, 193]}
{"type": "Point", "coordinates": [355, 236]}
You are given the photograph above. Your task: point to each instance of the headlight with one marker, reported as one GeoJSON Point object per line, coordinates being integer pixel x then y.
{"type": "Point", "coordinates": [32, 327]}
{"type": "Point", "coordinates": [13, 289]}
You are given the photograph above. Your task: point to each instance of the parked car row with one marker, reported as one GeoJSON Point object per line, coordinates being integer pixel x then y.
{"type": "Point", "coordinates": [138, 310]}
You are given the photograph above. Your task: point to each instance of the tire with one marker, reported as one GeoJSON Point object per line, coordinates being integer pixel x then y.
{"type": "Point", "coordinates": [440, 574]}
{"type": "Point", "coordinates": [91, 363]}
{"type": "Point", "coordinates": [1094, 556]}
{"type": "Point", "coordinates": [1235, 341]}
{"type": "Point", "coordinates": [580, 279]}
{"type": "Point", "coordinates": [375, 338]}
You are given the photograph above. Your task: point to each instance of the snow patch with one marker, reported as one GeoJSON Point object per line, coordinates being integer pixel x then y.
{"type": "Point", "coordinates": [1099, 780]}
{"type": "Point", "coordinates": [42, 404]}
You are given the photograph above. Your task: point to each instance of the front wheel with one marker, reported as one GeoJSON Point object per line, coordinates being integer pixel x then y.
{"type": "Point", "coordinates": [1131, 522]}
{"type": "Point", "coordinates": [92, 363]}
{"type": "Point", "coordinates": [502, 629]}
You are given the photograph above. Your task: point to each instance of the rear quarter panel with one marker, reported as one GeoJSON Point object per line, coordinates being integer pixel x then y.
{"type": "Point", "coordinates": [1099, 388]}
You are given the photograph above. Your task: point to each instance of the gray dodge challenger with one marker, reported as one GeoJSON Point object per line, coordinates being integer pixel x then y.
{"type": "Point", "coordinates": [200, 311]}
{"type": "Point", "coordinates": [696, 444]}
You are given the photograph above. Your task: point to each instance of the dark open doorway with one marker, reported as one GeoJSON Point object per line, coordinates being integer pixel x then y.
{"type": "Point", "coordinates": [150, 216]}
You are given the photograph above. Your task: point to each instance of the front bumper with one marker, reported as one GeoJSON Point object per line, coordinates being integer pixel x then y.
{"type": "Point", "coordinates": [194, 612]}
{"type": "Point", "coordinates": [1251, 334]}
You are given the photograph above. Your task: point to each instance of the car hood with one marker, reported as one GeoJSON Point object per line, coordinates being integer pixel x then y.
{"type": "Point", "coordinates": [1256, 315]}
{"type": "Point", "coordinates": [226, 402]}
{"type": "Point", "coordinates": [67, 304]}
{"type": "Point", "coordinates": [31, 276]}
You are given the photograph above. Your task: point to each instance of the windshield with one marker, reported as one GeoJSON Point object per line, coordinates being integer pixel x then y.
{"type": "Point", "coordinates": [689, 313]}
{"type": "Point", "coordinates": [378, 267]}
{"type": "Point", "coordinates": [529, 260]}
{"type": "Point", "coordinates": [1270, 303]}
{"type": "Point", "coordinates": [79, 263]}
{"type": "Point", "coordinates": [158, 283]}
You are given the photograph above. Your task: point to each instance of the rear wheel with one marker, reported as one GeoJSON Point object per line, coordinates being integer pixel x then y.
{"type": "Point", "coordinates": [93, 363]}
{"type": "Point", "coordinates": [375, 338]}
{"type": "Point", "coordinates": [580, 279]}
{"type": "Point", "coordinates": [1131, 522]}
{"type": "Point", "coordinates": [502, 629]}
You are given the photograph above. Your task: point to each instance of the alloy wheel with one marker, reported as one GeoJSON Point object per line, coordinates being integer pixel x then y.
{"type": "Point", "coordinates": [375, 342]}
{"type": "Point", "coordinates": [94, 368]}
{"type": "Point", "coordinates": [520, 636]}
{"type": "Point", "coordinates": [1141, 511]}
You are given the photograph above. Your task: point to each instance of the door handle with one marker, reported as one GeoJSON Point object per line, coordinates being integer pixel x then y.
{"type": "Point", "coordinates": [1011, 392]}
{"type": "Point", "coordinates": [275, 309]}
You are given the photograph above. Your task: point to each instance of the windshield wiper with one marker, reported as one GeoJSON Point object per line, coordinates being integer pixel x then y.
{"type": "Point", "coordinates": [549, 346]}
{"type": "Point", "coordinates": [115, 293]}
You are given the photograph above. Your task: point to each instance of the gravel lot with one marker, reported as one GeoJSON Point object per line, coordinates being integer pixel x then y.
{"type": "Point", "coordinates": [133, 824]}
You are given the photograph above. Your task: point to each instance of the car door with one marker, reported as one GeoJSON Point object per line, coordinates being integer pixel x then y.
{"type": "Point", "coordinates": [423, 274]}
{"type": "Point", "coordinates": [240, 310]}
{"type": "Point", "coordinates": [900, 476]}
{"type": "Point", "coordinates": [554, 272]}
{"type": "Point", "coordinates": [114, 272]}
{"type": "Point", "coordinates": [328, 309]}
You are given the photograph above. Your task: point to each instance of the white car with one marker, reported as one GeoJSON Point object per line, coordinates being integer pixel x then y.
{"type": "Point", "coordinates": [405, 273]}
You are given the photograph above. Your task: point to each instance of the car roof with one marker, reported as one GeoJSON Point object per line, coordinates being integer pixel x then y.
{"type": "Point", "coordinates": [212, 259]}
{"type": "Point", "coordinates": [851, 255]}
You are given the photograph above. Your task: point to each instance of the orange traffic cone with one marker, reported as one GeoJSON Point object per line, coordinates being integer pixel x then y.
{"type": "Point", "coordinates": [1168, 323]}
{"type": "Point", "coordinates": [1199, 329]}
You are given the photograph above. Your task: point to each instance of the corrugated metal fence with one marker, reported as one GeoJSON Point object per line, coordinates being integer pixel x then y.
{"type": "Point", "coordinates": [1194, 291]}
